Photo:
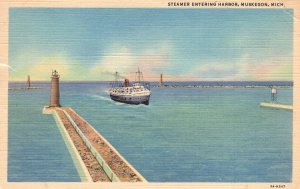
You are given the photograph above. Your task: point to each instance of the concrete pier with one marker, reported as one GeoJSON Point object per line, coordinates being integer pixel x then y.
{"type": "Point", "coordinates": [68, 136]}
{"type": "Point", "coordinates": [277, 106]}
{"type": "Point", "coordinates": [102, 161]}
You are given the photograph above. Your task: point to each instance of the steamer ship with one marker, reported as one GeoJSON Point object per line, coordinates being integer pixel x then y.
{"type": "Point", "coordinates": [136, 93]}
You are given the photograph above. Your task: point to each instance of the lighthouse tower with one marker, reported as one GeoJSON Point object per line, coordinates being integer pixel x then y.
{"type": "Point", "coordinates": [161, 80]}
{"type": "Point", "coordinates": [54, 99]}
{"type": "Point", "coordinates": [274, 94]}
{"type": "Point", "coordinates": [28, 81]}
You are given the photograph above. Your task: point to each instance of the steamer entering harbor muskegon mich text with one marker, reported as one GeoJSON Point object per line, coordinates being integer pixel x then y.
{"type": "Point", "coordinates": [137, 93]}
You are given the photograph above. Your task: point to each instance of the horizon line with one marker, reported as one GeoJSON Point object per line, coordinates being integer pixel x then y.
{"type": "Point", "coordinates": [25, 81]}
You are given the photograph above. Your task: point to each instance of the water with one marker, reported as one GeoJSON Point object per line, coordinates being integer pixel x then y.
{"type": "Point", "coordinates": [184, 135]}
{"type": "Point", "coordinates": [36, 150]}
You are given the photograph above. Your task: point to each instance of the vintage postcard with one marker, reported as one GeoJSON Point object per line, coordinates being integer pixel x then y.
{"type": "Point", "coordinates": [160, 94]}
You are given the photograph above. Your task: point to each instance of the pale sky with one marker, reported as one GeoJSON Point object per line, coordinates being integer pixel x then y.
{"type": "Point", "coordinates": [183, 44]}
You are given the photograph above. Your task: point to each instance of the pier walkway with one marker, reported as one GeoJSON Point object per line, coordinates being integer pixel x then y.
{"type": "Point", "coordinates": [102, 161]}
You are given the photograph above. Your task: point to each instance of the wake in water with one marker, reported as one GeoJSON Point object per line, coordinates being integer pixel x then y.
{"type": "Point", "coordinates": [107, 91]}
{"type": "Point", "coordinates": [118, 103]}
{"type": "Point", "coordinates": [101, 97]}
{"type": "Point", "coordinates": [107, 99]}
{"type": "Point", "coordinates": [138, 106]}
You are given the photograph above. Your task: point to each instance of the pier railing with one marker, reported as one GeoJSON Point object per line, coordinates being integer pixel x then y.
{"type": "Point", "coordinates": [82, 170]}
{"type": "Point", "coordinates": [112, 176]}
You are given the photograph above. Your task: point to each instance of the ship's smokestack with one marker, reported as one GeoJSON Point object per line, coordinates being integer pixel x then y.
{"type": "Point", "coordinates": [54, 99]}
{"type": "Point", "coordinates": [126, 83]}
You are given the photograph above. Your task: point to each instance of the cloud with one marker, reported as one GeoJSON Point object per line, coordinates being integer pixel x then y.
{"type": "Point", "coordinates": [42, 69]}
{"type": "Point", "coordinates": [276, 68]}
{"type": "Point", "coordinates": [121, 60]}
{"type": "Point", "coordinates": [152, 62]}
{"type": "Point", "coordinates": [212, 71]}
{"type": "Point", "coordinates": [245, 68]}
{"type": "Point", "coordinates": [124, 61]}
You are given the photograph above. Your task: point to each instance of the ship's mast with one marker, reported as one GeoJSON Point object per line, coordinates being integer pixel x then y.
{"type": "Point", "coordinates": [116, 81]}
{"type": "Point", "coordinates": [139, 75]}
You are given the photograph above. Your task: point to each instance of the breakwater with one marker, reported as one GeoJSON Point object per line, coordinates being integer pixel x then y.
{"type": "Point", "coordinates": [276, 106]}
{"type": "Point", "coordinates": [99, 157]}
{"type": "Point", "coordinates": [217, 86]}
{"type": "Point", "coordinates": [24, 88]}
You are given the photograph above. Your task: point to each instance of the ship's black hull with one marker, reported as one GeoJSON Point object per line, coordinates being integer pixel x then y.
{"type": "Point", "coordinates": [131, 100]}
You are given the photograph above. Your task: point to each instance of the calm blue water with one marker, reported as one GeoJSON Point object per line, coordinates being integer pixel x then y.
{"type": "Point", "coordinates": [184, 135]}
{"type": "Point", "coordinates": [36, 149]}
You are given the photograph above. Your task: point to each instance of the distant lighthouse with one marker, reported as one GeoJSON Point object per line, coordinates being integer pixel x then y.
{"type": "Point", "coordinates": [161, 80]}
{"type": "Point", "coordinates": [54, 99]}
{"type": "Point", "coordinates": [28, 81]}
{"type": "Point", "coordinates": [274, 94]}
